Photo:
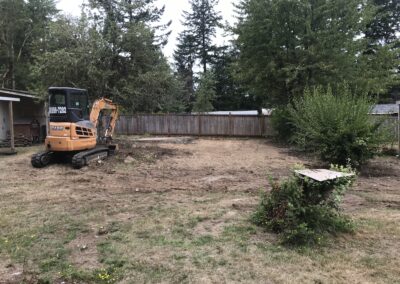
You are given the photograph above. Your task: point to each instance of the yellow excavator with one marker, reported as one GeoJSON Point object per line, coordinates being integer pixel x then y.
{"type": "Point", "coordinates": [74, 133]}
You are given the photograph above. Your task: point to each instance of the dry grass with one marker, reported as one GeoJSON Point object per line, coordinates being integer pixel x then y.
{"type": "Point", "coordinates": [180, 213]}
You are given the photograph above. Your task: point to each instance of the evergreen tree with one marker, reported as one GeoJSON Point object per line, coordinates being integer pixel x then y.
{"type": "Point", "coordinates": [184, 57]}
{"type": "Point", "coordinates": [205, 93]}
{"type": "Point", "coordinates": [195, 44]}
{"type": "Point", "coordinates": [286, 45]}
{"type": "Point", "coordinates": [201, 23]}
{"type": "Point", "coordinates": [385, 26]}
{"type": "Point", "coordinates": [113, 52]}
{"type": "Point", "coordinates": [229, 95]}
{"type": "Point", "coordinates": [23, 26]}
{"type": "Point", "coordinates": [76, 55]}
{"type": "Point", "coordinates": [383, 43]}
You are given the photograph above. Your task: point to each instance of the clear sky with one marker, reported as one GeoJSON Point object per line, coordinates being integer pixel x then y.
{"type": "Point", "coordinates": [174, 9]}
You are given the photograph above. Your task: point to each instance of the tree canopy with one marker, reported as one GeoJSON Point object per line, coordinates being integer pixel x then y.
{"type": "Point", "coordinates": [280, 47]}
{"type": "Point", "coordinates": [286, 45]}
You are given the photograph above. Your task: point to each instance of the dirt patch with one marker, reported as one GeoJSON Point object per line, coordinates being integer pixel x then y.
{"type": "Point", "coordinates": [84, 252]}
{"type": "Point", "coordinates": [177, 212]}
{"type": "Point", "coordinates": [164, 140]}
{"type": "Point", "coordinates": [15, 273]}
{"type": "Point", "coordinates": [10, 272]}
{"type": "Point", "coordinates": [142, 153]}
{"type": "Point", "coordinates": [229, 212]}
{"type": "Point", "coordinates": [384, 167]}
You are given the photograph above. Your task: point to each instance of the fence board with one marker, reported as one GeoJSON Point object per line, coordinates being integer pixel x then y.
{"type": "Point", "coordinates": [391, 123]}
{"type": "Point", "coordinates": [202, 125]}
{"type": "Point", "coordinates": [206, 125]}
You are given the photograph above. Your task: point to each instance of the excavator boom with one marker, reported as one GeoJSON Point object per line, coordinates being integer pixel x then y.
{"type": "Point", "coordinates": [99, 107]}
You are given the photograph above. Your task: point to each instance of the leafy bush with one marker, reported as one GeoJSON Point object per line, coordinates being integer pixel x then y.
{"type": "Point", "coordinates": [282, 124]}
{"type": "Point", "coordinates": [304, 211]}
{"type": "Point", "coordinates": [337, 126]}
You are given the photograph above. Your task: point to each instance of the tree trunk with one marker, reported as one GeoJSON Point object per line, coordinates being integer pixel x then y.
{"type": "Point", "coordinates": [204, 53]}
{"type": "Point", "coordinates": [12, 65]}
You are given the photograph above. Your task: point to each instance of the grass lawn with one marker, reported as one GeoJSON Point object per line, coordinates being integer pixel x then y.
{"type": "Point", "coordinates": [180, 213]}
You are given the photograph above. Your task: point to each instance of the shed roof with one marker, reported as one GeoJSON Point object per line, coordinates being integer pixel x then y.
{"type": "Point", "coordinates": [67, 88]}
{"type": "Point", "coordinates": [16, 93]}
{"type": "Point", "coordinates": [9, 99]}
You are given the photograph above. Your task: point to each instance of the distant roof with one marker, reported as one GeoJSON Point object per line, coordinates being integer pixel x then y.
{"type": "Point", "coordinates": [385, 109]}
{"type": "Point", "coordinates": [241, 112]}
{"type": "Point", "coordinates": [67, 88]}
{"type": "Point", "coordinates": [16, 93]}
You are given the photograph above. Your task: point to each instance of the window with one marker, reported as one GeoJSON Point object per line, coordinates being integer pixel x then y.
{"type": "Point", "coordinates": [79, 101]}
{"type": "Point", "coordinates": [57, 100]}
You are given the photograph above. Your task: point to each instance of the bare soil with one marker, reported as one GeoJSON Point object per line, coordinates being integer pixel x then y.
{"type": "Point", "coordinates": [162, 212]}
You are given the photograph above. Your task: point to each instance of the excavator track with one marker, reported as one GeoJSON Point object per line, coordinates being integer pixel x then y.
{"type": "Point", "coordinates": [83, 158]}
{"type": "Point", "coordinates": [42, 159]}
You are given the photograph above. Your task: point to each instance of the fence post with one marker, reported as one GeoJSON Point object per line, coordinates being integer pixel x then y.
{"type": "Point", "coordinates": [261, 119]}
{"type": "Point", "coordinates": [137, 125]}
{"type": "Point", "coordinates": [398, 125]}
{"type": "Point", "coordinates": [231, 130]}
{"type": "Point", "coordinates": [126, 120]}
{"type": "Point", "coordinates": [199, 121]}
{"type": "Point", "coordinates": [169, 123]}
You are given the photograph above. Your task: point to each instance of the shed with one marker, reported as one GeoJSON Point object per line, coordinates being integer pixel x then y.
{"type": "Point", "coordinates": [28, 117]}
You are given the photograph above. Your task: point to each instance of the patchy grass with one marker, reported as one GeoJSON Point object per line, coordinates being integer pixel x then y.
{"type": "Point", "coordinates": [188, 224]}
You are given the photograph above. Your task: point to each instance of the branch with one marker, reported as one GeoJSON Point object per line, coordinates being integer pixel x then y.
{"type": "Point", "coordinates": [27, 35]}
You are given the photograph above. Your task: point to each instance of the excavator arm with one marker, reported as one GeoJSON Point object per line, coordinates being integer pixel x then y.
{"type": "Point", "coordinates": [104, 106]}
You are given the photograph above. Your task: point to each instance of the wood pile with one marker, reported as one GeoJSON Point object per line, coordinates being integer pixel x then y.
{"type": "Point", "coordinates": [19, 140]}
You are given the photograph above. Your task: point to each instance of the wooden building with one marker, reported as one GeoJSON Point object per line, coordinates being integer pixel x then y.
{"type": "Point", "coordinates": [23, 115]}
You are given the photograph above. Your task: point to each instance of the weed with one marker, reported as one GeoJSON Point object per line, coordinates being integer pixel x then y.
{"type": "Point", "coordinates": [203, 240]}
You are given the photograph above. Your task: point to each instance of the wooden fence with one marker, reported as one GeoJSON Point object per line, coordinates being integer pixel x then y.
{"type": "Point", "coordinates": [207, 125]}
{"type": "Point", "coordinates": [200, 125]}
{"type": "Point", "coordinates": [391, 123]}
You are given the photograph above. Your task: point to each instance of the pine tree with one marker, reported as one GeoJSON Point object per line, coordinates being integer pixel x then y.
{"type": "Point", "coordinates": [382, 51]}
{"type": "Point", "coordinates": [112, 51]}
{"type": "Point", "coordinates": [205, 93]}
{"type": "Point", "coordinates": [383, 43]}
{"type": "Point", "coordinates": [385, 26]}
{"type": "Point", "coordinates": [229, 94]}
{"type": "Point", "coordinates": [201, 23]}
{"type": "Point", "coordinates": [22, 26]}
{"type": "Point", "coordinates": [184, 57]}
{"type": "Point", "coordinates": [286, 45]}
{"type": "Point", "coordinates": [195, 44]}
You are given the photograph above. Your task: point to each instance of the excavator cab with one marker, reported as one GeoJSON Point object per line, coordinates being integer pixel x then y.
{"type": "Point", "coordinates": [68, 105]}
{"type": "Point", "coordinates": [74, 132]}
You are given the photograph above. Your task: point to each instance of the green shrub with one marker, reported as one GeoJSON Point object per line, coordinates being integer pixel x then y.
{"type": "Point", "coordinates": [337, 126]}
{"type": "Point", "coordinates": [304, 211]}
{"type": "Point", "coordinates": [282, 124]}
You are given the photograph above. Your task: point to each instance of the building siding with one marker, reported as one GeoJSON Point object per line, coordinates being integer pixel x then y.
{"type": "Point", "coordinates": [4, 120]}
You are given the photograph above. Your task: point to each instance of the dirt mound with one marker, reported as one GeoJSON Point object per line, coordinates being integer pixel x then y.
{"type": "Point", "coordinates": [138, 154]}
{"type": "Point", "coordinates": [144, 153]}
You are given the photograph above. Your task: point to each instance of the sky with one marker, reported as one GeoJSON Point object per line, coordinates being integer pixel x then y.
{"type": "Point", "coordinates": [173, 11]}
